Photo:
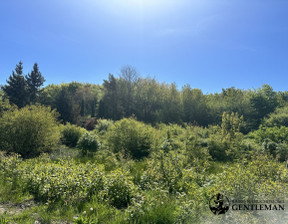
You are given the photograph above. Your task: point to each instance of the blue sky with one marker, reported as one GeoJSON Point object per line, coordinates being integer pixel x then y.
{"type": "Point", "coordinates": [209, 44]}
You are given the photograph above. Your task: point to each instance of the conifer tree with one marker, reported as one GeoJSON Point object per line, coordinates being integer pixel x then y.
{"type": "Point", "coordinates": [15, 89]}
{"type": "Point", "coordinates": [34, 81]}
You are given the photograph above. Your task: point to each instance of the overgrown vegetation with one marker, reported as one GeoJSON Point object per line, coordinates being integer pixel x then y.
{"type": "Point", "coordinates": [166, 170]}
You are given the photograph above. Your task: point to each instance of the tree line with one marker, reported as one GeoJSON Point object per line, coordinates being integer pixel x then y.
{"type": "Point", "coordinates": [144, 98]}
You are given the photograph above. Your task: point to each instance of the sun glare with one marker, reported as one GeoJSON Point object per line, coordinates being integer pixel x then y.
{"type": "Point", "coordinates": [147, 6]}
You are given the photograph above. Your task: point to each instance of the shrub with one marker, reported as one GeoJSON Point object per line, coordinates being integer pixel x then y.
{"type": "Point", "coordinates": [90, 124]}
{"type": "Point", "coordinates": [282, 152]}
{"type": "Point", "coordinates": [277, 150]}
{"type": "Point", "coordinates": [164, 170]}
{"type": "Point", "coordinates": [88, 142]}
{"type": "Point", "coordinates": [278, 118]}
{"type": "Point", "coordinates": [70, 134]}
{"type": "Point", "coordinates": [4, 104]}
{"type": "Point", "coordinates": [64, 182]}
{"type": "Point", "coordinates": [176, 137]}
{"type": "Point", "coordinates": [159, 210]}
{"type": "Point", "coordinates": [259, 179]}
{"type": "Point", "coordinates": [119, 189]}
{"type": "Point", "coordinates": [29, 131]}
{"type": "Point", "coordinates": [103, 125]}
{"type": "Point", "coordinates": [276, 134]}
{"type": "Point", "coordinates": [217, 149]}
{"type": "Point", "coordinates": [132, 137]}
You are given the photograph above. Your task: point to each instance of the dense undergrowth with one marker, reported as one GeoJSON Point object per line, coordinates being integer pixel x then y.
{"type": "Point", "coordinates": [130, 172]}
{"type": "Point", "coordinates": [136, 173]}
{"type": "Point", "coordinates": [157, 190]}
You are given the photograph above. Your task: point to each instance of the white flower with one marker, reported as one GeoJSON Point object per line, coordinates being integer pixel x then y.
{"type": "Point", "coordinates": [91, 209]}
{"type": "Point", "coordinates": [84, 213]}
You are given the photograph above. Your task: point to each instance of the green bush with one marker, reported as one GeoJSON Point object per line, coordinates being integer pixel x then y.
{"type": "Point", "coordinates": [131, 137]}
{"type": "Point", "coordinates": [48, 181]}
{"type": "Point", "coordinates": [159, 209]}
{"type": "Point", "coordinates": [277, 150]}
{"type": "Point", "coordinates": [274, 140]}
{"type": "Point", "coordinates": [70, 134]}
{"type": "Point", "coordinates": [119, 189]}
{"type": "Point", "coordinates": [88, 142]}
{"type": "Point", "coordinates": [278, 118]}
{"type": "Point", "coordinates": [276, 134]}
{"type": "Point", "coordinates": [103, 125]}
{"type": "Point", "coordinates": [282, 152]}
{"type": "Point", "coordinates": [164, 170]}
{"type": "Point", "coordinates": [176, 137]}
{"type": "Point", "coordinates": [260, 178]}
{"type": "Point", "coordinates": [217, 149]}
{"type": "Point", "coordinates": [29, 131]}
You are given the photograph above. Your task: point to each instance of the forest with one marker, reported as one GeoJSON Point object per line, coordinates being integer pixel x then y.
{"type": "Point", "coordinates": [135, 150]}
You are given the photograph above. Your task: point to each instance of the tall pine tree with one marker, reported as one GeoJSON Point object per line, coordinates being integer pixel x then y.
{"type": "Point", "coordinates": [34, 82]}
{"type": "Point", "coordinates": [15, 89]}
